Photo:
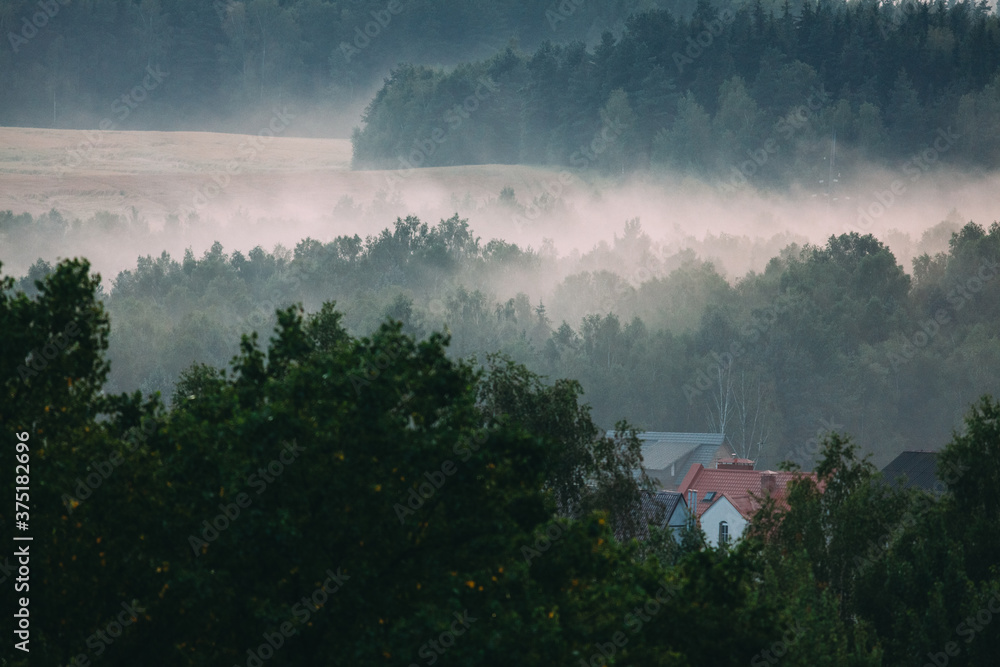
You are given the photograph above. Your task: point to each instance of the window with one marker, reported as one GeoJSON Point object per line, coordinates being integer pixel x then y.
{"type": "Point", "coordinates": [710, 496]}
{"type": "Point", "coordinates": [723, 533]}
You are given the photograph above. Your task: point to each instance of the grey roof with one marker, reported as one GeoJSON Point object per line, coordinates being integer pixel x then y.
{"type": "Point", "coordinates": [692, 438]}
{"type": "Point", "coordinates": [660, 449]}
{"type": "Point", "coordinates": [704, 454]}
{"type": "Point", "coordinates": [659, 455]}
{"type": "Point", "coordinates": [919, 468]}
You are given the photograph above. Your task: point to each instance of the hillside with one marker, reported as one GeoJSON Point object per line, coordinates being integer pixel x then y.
{"type": "Point", "coordinates": [163, 172]}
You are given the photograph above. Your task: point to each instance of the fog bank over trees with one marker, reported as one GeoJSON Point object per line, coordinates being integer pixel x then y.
{"type": "Point", "coordinates": [833, 333]}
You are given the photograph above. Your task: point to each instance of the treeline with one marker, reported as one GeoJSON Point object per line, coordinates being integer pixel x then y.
{"type": "Point", "coordinates": [738, 93]}
{"type": "Point", "coordinates": [334, 500]}
{"type": "Point", "coordinates": [71, 64]}
{"type": "Point", "coordinates": [835, 335]}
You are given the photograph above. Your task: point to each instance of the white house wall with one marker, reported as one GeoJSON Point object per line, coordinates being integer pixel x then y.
{"type": "Point", "coordinates": [722, 510]}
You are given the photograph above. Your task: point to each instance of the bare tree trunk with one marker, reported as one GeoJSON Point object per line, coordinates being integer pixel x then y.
{"type": "Point", "coordinates": [752, 415]}
{"type": "Point", "coordinates": [719, 414]}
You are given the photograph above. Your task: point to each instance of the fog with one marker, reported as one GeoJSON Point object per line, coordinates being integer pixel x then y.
{"type": "Point", "coordinates": [114, 197]}
{"type": "Point", "coordinates": [341, 331]}
{"type": "Point", "coordinates": [165, 190]}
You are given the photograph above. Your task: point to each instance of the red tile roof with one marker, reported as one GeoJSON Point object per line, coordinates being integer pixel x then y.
{"type": "Point", "coordinates": [737, 485]}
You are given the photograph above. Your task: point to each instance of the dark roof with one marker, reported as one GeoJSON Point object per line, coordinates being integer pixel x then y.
{"type": "Point", "coordinates": [918, 467]}
{"type": "Point", "coordinates": [659, 507]}
{"type": "Point", "coordinates": [669, 500]}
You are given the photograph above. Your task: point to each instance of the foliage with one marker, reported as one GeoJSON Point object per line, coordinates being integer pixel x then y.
{"type": "Point", "coordinates": [729, 80]}
{"type": "Point", "coordinates": [231, 62]}
{"type": "Point", "coordinates": [835, 334]}
{"type": "Point", "coordinates": [420, 491]}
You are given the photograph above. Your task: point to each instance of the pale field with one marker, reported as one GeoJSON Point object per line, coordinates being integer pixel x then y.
{"type": "Point", "coordinates": [161, 173]}
{"type": "Point", "coordinates": [287, 188]}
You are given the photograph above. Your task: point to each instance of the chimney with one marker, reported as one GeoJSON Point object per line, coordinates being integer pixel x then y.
{"type": "Point", "coordinates": [735, 464]}
{"type": "Point", "coordinates": [693, 501]}
{"type": "Point", "coordinates": [768, 483]}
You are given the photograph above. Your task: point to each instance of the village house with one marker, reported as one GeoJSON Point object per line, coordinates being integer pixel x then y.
{"type": "Point", "coordinates": [667, 457]}
{"type": "Point", "coordinates": [723, 499]}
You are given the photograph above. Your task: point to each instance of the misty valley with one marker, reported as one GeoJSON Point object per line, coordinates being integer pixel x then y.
{"type": "Point", "coordinates": [355, 332]}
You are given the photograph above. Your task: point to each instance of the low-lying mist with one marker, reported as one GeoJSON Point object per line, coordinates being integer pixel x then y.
{"type": "Point", "coordinates": [635, 286]}
{"type": "Point", "coordinates": [640, 289]}
{"type": "Point", "coordinates": [561, 212]}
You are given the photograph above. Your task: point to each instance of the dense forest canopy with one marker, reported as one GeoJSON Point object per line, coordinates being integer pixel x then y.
{"type": "Point", "coordinates": [834, 334]}
{"type": "Point", "coordinates": [737, 93]}
{"type": "Point", "coordinates": [335, 500]}
{"type": "Point", "coordinates": [71, 64]}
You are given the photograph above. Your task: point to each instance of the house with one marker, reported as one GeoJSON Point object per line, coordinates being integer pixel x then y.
{"type": "Point", "coordinates": [919, 468]}
{"type": "Point", "coordinates": [664, 508]}
{"type": "Point", "coordinates": [722, 522]}
{"type": "Point", "coordinates": [724, 499]}
{"type": "Point", "coordinates": [667, 457]}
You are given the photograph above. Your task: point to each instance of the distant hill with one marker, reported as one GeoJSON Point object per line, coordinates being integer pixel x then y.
{"type": "Point", "coordinates": [741, 95]}
{"type": "Point", "coordinates": [226, 62]}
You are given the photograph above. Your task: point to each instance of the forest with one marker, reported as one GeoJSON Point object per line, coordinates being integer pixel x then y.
{"type": "Point", "coordinates": [838, 333]}
{"type": "Point", "coordinates": [330, 420]}
{"type": "Point", "coordinates": [742, 94]}
{"type": "Point", "coordinates": [228, 62]}
{"type": "Point", "coordinates": [267, 514]}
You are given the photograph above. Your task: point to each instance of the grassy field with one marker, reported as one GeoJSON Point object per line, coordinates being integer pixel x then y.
{"type": "Point", "coordinates": [161, 173]}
